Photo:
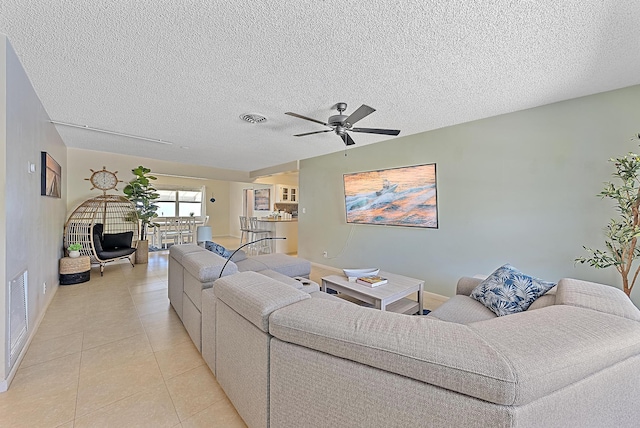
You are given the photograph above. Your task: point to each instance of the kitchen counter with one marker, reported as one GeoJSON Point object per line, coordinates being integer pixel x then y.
{"type": "Point", "coordinates": [280, 228]}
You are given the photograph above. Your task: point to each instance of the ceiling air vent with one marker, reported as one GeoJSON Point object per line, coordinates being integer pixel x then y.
{"type": "Point", "coordinates": [253, 118]}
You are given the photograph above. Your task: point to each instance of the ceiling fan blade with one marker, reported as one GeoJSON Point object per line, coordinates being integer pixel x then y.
{"type": "Point", "coordinates": [314, 132]}
{"type": "Point", "coordinates": [376, 131]}
{"type": "Point", "coordinates": [299, 116]}
{"type": "Point", "coordinates": [362, 112]}
{"type": "Point", "coordinates": [348, 141]}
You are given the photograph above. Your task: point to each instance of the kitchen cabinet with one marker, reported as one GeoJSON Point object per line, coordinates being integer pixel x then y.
{"type": "Point", "coordinates": [286, 194]}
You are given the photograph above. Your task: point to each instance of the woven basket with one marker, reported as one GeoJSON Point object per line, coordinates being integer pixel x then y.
{"type": "Point", "coordinates": [70, 265]}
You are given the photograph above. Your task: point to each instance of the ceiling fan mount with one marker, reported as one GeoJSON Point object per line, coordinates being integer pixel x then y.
{"type": "Point", "coordinates": [341, 123]}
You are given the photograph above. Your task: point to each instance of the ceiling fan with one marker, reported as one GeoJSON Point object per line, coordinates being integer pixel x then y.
{"type": "Point", "coordinates": [341, 123]}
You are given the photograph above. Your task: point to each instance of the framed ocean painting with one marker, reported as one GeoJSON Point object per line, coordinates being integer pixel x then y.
{"type": "Point", "coordinates": [404, 196]}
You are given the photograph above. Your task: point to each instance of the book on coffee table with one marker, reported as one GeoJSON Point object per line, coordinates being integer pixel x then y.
{"type": "Point", "coordinates": [371, 280]}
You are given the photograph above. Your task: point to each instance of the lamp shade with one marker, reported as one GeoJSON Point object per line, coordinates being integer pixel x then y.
{"type": "Point", "coordinates": [204, 233]}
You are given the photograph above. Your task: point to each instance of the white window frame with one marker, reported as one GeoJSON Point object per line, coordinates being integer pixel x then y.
{"type": "Point", "coordinates": [178, 189]}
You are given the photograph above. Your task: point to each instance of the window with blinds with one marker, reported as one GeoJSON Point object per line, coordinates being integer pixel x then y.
{"type": "Point", "coordinates": [180, 203]}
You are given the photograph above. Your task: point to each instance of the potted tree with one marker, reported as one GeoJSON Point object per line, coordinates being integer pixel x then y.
{"type": "Point", "coordinates": [141, 192]}
{"type": "Point", "coordinates": [622, 232]}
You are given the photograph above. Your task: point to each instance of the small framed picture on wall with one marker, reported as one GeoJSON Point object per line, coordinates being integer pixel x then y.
{"type": "Point", "coordinates": [261, 199]}
{"type": "Point", "coordinates": [51, 177]}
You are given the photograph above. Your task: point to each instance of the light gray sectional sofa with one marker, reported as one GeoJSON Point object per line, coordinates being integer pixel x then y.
{"type": "Point", "coordinates": [193, 269]}
{"type": "Point", "coordinates": [287, 359]}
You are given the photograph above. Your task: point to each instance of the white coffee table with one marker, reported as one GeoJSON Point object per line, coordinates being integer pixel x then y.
{"type": "Point", "coordinates": [387, 297]}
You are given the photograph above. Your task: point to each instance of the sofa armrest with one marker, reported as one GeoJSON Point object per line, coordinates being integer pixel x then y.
{"type": "Point", "coordinates": [466, 284]}
{"type": "Point", "coordinates": [598, 297]}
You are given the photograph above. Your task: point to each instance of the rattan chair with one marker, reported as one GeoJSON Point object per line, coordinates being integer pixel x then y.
{"type": "Point", "coordinates": [107, 228]}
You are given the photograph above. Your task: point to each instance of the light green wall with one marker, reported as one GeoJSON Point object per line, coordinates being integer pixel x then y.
{"type": "Point", "coordinates": [518, 188]}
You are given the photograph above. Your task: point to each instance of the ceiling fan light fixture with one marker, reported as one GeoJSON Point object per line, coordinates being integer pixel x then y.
{"type": "Point", "coordinates": [253, 118]}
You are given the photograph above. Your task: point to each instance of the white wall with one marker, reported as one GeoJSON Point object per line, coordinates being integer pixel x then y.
{"type": "Point", "coordinates": [518, 188]}
{"type": "Point", "coordinates": [225, 187]}
{"type": "Point", "coordinates": [31, 231]}
{"type": "Point", "coordinates": [81, 162]}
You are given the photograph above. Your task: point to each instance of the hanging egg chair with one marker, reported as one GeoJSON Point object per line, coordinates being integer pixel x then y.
{"type": "Point", "coordinates": [107, 228]}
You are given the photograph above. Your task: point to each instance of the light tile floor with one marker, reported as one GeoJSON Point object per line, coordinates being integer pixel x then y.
{"type": "Point", "coordinates": [111, 352]}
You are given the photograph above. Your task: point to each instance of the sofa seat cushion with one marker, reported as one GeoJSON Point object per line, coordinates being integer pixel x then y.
{"type": "Point", "coordinates": [282, 278]}
{"type": "Point", "coordinates": [547, 299]}
{"type": "Point", "coordinates": [508, 291]}
{"type": "Point", "coordinates": [326, 296]}
{"type": "Point", "coordinates": [282, 263]}
{"type": "Point", "coordinates": [463, 310]}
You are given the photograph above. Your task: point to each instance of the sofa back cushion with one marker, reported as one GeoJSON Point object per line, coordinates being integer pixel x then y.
{"type": "Point", "coordinates": [510, 360]}
{"type": "Point", "coordinates": [178, 252]}
{"type": "Point", "coordinates": [255, 296]}
{"type": "Point", "coordinates": [590, 295]}
{"type": "Point", "coordinates": [206, 266]}
{"type": "Point", "coordinates": [448, 355]}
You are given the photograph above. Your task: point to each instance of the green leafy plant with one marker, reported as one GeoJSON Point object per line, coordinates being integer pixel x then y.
{"type": "Point", "coordinates": [141, 192]}
{"type": "Point", "coordinates": [75, 247]}
{"type": "Point", "coordinates": [621, 234]}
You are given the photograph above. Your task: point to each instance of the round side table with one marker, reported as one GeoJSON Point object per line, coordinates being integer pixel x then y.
{"type": "Point", "coordinates": [75, 270]}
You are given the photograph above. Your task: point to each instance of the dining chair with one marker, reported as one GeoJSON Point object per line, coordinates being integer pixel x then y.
{"type": "Point", "coordinates": [170, 231]}
{"type": "Point", "coordinates": [187, 228]}
{"type": "Point", "coordinates": [245, 229]}
{"type": "Point", "coordinates": [258, 233]}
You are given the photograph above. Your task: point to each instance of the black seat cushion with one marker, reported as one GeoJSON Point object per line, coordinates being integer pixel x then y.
{"type": "Point", "coordinates": [117, 241]}
{"type": "Point", "coordinates": [114, 254]}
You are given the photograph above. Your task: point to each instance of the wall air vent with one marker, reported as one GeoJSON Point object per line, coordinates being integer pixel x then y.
{"type": "Point", "coordinates": [17, 316]}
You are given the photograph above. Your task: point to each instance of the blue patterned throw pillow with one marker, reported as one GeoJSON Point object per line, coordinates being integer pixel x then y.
{"type": "Point", "coordinates": [509, 291]}
{"type": "Point", "coordinates": [218, 249]}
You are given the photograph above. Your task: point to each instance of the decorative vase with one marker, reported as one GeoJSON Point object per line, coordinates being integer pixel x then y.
{"type": "Point", "coordinates": [73, 254]}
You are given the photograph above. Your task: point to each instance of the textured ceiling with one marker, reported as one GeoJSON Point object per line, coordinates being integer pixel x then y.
{"type": "Point", "coordinates": [183, 71]}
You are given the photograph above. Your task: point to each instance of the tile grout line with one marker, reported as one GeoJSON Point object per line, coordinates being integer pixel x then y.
{"type": "Point", "coordinates": [164, 380]}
